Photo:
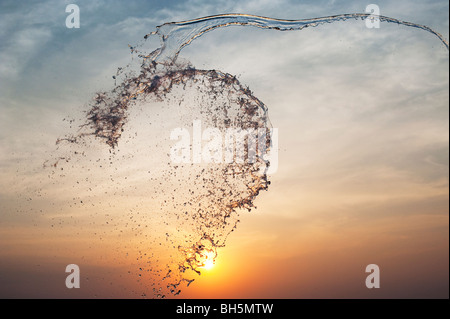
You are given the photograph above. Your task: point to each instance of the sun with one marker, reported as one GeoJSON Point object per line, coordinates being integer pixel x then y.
{"type": "Point", "coordinates": [208, 264]}
{"type": "Point", "coordinates": [208, 261]}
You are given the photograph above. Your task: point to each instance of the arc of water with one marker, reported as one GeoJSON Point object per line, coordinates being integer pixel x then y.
{"type": "Point", "coordinates": [175, 36]}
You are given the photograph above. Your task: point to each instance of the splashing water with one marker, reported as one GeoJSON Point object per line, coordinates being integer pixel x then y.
{"type": "Point", "coordinates": [199, 202]}
{"type": "Point", "coordinates": [176, 35]}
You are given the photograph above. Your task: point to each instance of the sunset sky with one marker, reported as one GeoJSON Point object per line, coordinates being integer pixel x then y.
{"type": "Point", "coordinates": [362, 178]}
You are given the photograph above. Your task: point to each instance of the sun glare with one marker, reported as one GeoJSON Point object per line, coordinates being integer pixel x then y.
{"type": "Point", "coordinates": [208, 264]}
{"type": "Point", "coordinates": [208, 257]}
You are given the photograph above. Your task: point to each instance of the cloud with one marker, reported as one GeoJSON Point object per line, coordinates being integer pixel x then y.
{"type": "Point", "coordinates": [17, 54]}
